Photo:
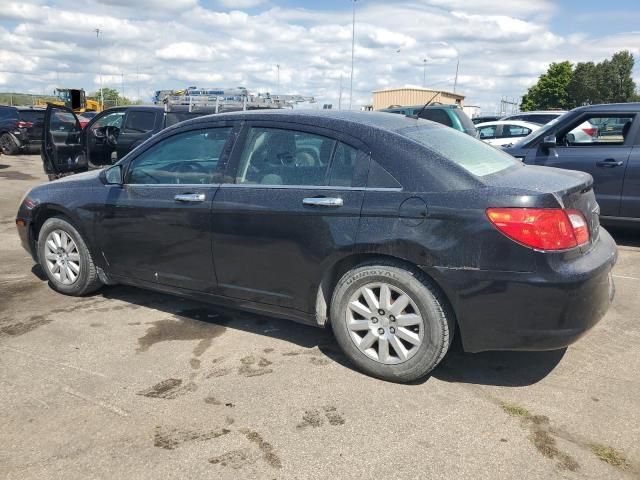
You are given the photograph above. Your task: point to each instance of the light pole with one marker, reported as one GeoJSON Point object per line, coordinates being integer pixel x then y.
{"type": "Point", "coordinates": [277, 77]}
{"type": "Point", "coordinates": [424, 73]}
{"type": "Point", "coordinates": [97, 30]}
{"type": "Point", "coordinates": [455, 82]}
{"type": "Point", "coordinates": [353, 44]}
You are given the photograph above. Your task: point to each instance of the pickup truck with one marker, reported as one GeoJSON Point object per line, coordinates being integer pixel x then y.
{"type": "Point", "coordinates": [69, 148]}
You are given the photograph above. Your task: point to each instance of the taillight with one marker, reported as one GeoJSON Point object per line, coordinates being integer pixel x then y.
{"type": "Point", "coordinates": [590, 131]}
{"type": "Point", "coordinates": [23, 124]}
{"type": "Point", "coordinates": [541, 228]}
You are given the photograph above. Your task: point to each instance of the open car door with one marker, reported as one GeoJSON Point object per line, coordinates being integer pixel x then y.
{"type": "Point", "coordinates": [62, 145]}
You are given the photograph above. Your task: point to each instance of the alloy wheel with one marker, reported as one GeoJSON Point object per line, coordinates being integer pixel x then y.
{"type": "Point", "coordinates": [62, 257]}
{"type": "Point", "coordinates": [384, 323]}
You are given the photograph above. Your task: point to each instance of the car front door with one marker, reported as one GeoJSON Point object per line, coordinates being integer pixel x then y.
{"type": "Point", "coordinates": [630, 202]}
{"type": "Point", "coordinates": [582, 146]}
{"type": "Point", "coordinates": [139, 124]}
{"type": "Point", "coordinates": [101, 136]}
{"type": "Point", "coordinates": [62, 147]}
{"type": "Point", "coordinates": [293, 206]}
{"type": "Point", "coordinates": [156, 226]}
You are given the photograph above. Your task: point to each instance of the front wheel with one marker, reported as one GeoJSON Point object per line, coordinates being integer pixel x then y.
{"type": "Point", "coordinates": [8, 144]}
{"type": "Point", "coordinates": [65, 258]}
{"type": "Point", "coordinates": [391, 322]}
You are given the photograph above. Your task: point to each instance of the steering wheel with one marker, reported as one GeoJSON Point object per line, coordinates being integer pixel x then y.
{"type": "Point", "coordinates": [111, 135]}
{"type": "Point", "coordinates": [186, 167]}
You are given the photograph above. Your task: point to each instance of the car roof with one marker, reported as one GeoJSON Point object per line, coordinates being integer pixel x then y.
{"type": "Point", "coordinates": [331, 119]}
{"type": "Point", "coordinates": [24, 108]}
{"type": "Point", "coordinates": [538, 112]}
{"type": "Point", "coordinates": [604, 107]}
{"type": "Point", "coordinates": [153, 108]}
{"type": "Point", "coordinates": [519, 123]}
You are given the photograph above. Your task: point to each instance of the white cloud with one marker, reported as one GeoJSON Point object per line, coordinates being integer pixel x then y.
{"type": "Point", "coordinates": [502, 46]}
{"type": "Point", "coordinates": [236, 4]}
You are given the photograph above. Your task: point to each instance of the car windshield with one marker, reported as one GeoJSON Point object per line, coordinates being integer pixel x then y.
{"type": "Point", "coordinates": [541, 131]}
{"type": "Point", "coordinates": [476, 157]}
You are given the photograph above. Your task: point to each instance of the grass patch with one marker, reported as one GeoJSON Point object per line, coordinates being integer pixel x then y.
{"type": "Point", "coordinates": [515, 410]}
{"type": "Point", "coordinates": [610, 456]}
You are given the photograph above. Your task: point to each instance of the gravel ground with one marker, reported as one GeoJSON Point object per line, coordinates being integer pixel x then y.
{"type": "Point", "coordinates": [132, 384]}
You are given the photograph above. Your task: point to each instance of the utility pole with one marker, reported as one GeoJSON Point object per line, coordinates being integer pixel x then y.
{"type": "Point", "coordinates": [455, 82]}
{"type": "Point", "coordinates": [353, 45]}
{"type": "Point", "coordinates": [138, 82]}
{"type": "Point", "coordinates": [97, 30]}
{"type": "Point", "coordinates": [424, 73]}
{"type": "Point", "coordinates": [122, 82]}
{"type": "Point", "coordinates": [277, 77]}
{"type": "Point", "coordinates": [340, 95]}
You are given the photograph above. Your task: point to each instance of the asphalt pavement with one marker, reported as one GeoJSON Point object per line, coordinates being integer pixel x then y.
{"type": "Point", "coordinates": [128, 383]}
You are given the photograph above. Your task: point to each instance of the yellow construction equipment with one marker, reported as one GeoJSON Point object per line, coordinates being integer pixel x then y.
{"type": "Point", "coordinates": [74, 99]}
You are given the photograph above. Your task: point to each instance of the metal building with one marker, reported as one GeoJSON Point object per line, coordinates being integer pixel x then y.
{"type": "Point", "coordinates": [413, 96]}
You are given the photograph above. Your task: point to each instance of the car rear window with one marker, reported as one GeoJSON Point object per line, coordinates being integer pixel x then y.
{"type": "Point", "coordinates": [437, 115]}
{"type": "Point", "coordinates": [30, 116]}
{"type": "Point", "coordinates": [476, 157]}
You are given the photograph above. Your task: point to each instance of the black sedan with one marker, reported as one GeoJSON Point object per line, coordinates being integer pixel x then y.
{"type": "Point", "coordinates": [395, 231]}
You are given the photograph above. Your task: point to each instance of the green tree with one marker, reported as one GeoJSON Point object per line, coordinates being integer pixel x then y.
{"type": "Point", "coordinates": [623, 86]}
{"type": "Point", "coordinates": [111, 97]}
{"type": "Point", "coordinates": [583, 87]}
{"type": "Point", "coordinates": [551, 89]}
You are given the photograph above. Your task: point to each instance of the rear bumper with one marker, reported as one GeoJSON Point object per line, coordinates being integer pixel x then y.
{"type": "Point", "coordinates": [544, 310]}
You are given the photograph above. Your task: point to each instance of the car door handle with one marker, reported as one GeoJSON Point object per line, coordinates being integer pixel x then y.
{"type": "Point", "coordinates": [323, 202]}
{"type": "Point", "coordinates": [609, 163]}
{"type": "Point", "coordinates": [190, 197]}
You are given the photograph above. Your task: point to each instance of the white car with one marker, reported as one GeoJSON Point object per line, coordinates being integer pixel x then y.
{"type": "Point", "coordinates": [505, 132]}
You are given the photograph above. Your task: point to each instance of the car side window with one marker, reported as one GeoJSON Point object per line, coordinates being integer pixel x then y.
{"type": "Point", "coordinates": [487, 132]}
{"type": "Point", "coordinates": [113, 119]}
{"type": "Point", "coordinates": [186, 158]}
{"type": "Point", "coordinates": [284, 157]}
{"type": "Point", "coordinates": [139, 122]}
{"type": "Point", "coordinates": [343, 166]}
{"type": "Point", "coordinates": [62, 122]}
{"type": "Point", "coordinates": [515, 131]}
{"type": "Point", "coordinates": [597, 130]}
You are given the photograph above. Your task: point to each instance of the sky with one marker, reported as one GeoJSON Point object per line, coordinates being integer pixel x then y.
{"type": "Point", "coordinates": [502, 46]}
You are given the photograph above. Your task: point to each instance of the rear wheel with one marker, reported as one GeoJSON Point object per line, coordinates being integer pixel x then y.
{"type": "Point", "coordinates": [65, 258]}
{"type": "Point", "coordinates": [391, 322]}
{"type": "Point", "coordinates": [8, 144]}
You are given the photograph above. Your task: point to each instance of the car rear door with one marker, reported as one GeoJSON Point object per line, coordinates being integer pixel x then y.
{"type": "Point", "coordinates": [600, 154]}
{"type": "Point", "coordinates": [62, 148]}
{"type": "Point", "coordinates": [291, 207]}
{"type": "Point", "coordinates": [155, 227]}
{"type": "Point", "coordinates": [139, 124]}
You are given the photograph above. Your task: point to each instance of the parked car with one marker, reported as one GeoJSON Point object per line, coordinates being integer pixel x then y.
{"type": "Point", "coordinates": [485, 119]}
{"type": "Point", "coordinates": [612, 158]}
{"type": "Point", "coordinates": [504, 132]}
{"type": "Point", "coordinates": [109, 135]}
{"type": "Point", "coordinates": [450, 115]}
{"type": "Point", "coordinates": [541, 117]}
{"type": "Point", "coordinates": [394, 230]}
{"type": "Point", "coordinates": [85, 118]}
{"type": "Point", "coordinates": [20, 129]}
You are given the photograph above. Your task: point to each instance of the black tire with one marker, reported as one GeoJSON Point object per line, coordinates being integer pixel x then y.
{"type": "Point", "coordinates": [87, 280]}
{"type": "Point", "coordinates": [8, 144]}
{"type": "Point", "coordinates": [439, 324]}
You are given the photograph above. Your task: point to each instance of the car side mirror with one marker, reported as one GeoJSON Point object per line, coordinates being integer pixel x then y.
{"type": "Point", "coordinates": [113, 175]}
{"type": "Point", "coordinates": [549, 142]}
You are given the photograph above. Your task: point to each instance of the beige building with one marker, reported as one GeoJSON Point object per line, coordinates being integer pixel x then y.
{"type": "Point", "coordinates": [413, 96]}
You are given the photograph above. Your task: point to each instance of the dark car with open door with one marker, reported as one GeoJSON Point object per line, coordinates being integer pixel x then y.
{"type": "Point", "coordinates": [69, 147]}
{"type": "Point", "coordinates": [395, 231]}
